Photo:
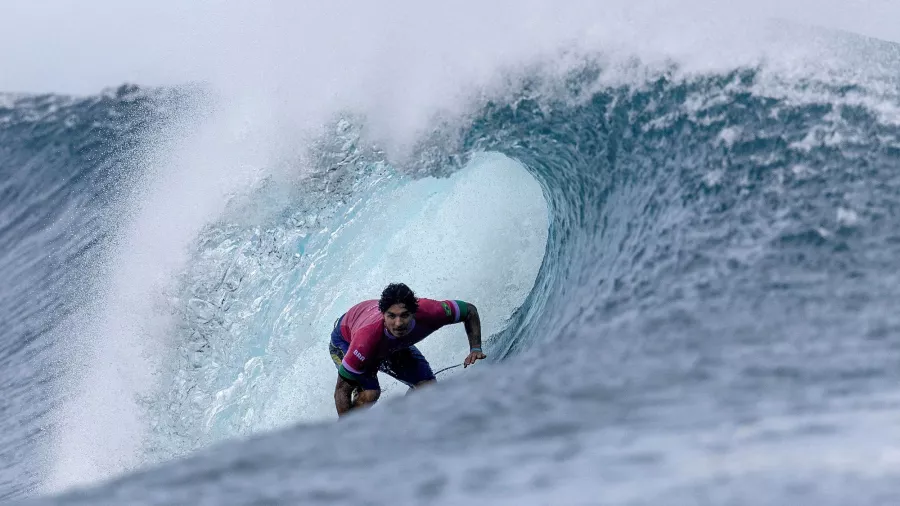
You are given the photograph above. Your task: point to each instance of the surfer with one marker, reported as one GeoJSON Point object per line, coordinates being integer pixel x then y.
{"type": "Point", "coordinates": [380, 335]}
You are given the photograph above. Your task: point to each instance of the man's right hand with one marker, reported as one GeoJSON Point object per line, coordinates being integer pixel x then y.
{"type": "Point", "coordinates": [473, 356]}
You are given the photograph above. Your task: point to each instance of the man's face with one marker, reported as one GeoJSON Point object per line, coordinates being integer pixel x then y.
{"type": "Point", "coordinates": [397, 319]}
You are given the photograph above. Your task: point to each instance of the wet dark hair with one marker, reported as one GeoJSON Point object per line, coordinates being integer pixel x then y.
{"type": "Point", "coordinates": [398, 293]}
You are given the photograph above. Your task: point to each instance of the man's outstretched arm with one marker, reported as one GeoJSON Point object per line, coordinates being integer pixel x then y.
{"type": "Point", "coordinates": [472, 323]}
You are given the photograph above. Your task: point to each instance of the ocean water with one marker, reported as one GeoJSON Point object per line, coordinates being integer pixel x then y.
{"type": "Point", "coordinates": [687, 274]}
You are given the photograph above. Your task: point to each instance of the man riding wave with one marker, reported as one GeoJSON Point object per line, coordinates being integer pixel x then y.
{"type": "Point", "coordinates": [380, 335]}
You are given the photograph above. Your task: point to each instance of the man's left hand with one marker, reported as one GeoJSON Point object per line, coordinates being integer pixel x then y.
{"type": "Point", "coordinates": [473, 356]}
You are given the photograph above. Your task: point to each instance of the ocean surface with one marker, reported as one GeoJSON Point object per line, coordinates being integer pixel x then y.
{"type": "Point", "coordinates": [688, 280]}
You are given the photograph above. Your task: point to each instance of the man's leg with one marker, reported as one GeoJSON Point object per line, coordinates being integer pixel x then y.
{"type": "Point", "coordinates": [350, 395]}
{"type": "Point", "coordinates": [344, 400]}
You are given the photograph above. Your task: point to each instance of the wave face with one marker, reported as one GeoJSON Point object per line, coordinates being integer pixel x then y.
{"type": "Point", "coordinates": [685, 276]}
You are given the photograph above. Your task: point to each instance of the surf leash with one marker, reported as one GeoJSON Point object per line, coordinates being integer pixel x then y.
{"type": "Point", "coordinates": [447, 369]}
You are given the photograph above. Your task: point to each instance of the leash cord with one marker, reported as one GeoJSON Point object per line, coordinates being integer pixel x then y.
{"type": "Point", "coordinates": [447, 369]}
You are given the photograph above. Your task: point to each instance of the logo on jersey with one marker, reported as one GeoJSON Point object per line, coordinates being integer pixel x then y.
{"type": "Point", "coordinates": [359, 355]}
{"type": "Point", "coordinates": [447, 309]}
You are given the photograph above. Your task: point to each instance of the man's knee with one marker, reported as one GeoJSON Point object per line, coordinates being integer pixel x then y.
{"type": "Point", "coordinates": [367, 397]}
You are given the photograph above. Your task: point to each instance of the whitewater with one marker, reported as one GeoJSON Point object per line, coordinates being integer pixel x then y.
{"type": "Point", "coordinates": [676, 221]}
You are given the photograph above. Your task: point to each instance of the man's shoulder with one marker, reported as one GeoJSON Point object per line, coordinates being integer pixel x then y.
{"type": "Point", "coordinates": [364, 318]}
{"type": "Point", "coordinates": [364, 305]}
{"type": "Point", "coordinates": [369, 330]}
{"type": "Point", "coordinates": [428, 304]}
{"type": "Point", "coordinates": [438, 309]}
